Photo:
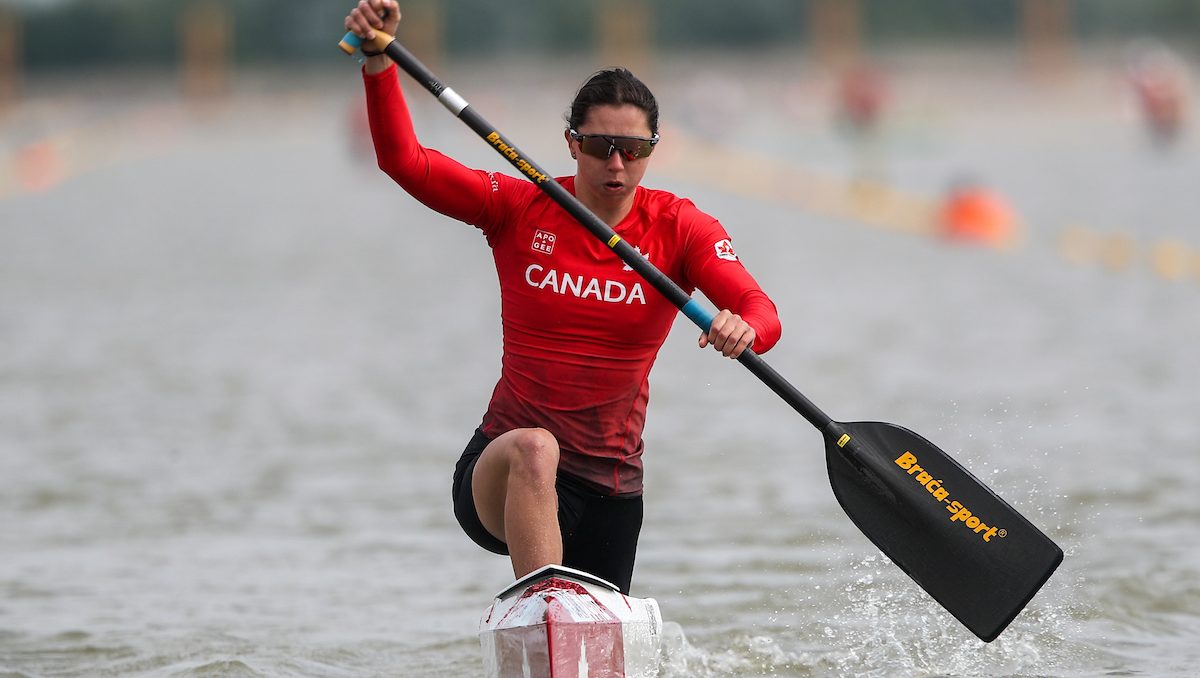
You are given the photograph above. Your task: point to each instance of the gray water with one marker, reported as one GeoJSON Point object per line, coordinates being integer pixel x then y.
{"type": "Point", "coordinates": [237, 365]}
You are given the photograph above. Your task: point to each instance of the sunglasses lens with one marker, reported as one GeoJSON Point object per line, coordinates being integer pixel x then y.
{"type": "Point", "coordinates": [602, 147]}
{"type": "Point", "coordinates": [633, 148]}
{"type": "Point", "coordinates": [597, 147]}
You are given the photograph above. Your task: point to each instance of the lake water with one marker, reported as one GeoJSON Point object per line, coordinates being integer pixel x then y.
{"type": "Point", "coordinates": [237, 365]}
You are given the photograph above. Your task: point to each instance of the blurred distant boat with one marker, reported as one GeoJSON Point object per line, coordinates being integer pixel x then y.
{"type": "Point", "coordinates": [557, 622]}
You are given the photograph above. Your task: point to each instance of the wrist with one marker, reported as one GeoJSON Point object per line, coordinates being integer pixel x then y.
{"type": "Point", "coordinates": [376, 63]}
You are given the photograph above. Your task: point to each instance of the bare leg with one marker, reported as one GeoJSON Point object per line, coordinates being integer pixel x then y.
{"type": "Point", "coordinates": [513, 489]}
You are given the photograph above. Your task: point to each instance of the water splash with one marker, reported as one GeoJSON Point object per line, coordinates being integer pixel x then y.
{"type": "Point", "coordinates": [747, 656]}
{"type": "Point", "coordinates": [884, 625]}
{"type": "Point", "coordinates": [892, 627]}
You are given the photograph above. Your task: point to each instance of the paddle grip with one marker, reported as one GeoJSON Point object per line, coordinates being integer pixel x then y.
{"type": "Point", "coordinates": [350, 42]}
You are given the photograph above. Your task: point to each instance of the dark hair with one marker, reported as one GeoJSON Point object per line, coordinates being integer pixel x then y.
{"type": "Point", "coordinates": [613, 87]}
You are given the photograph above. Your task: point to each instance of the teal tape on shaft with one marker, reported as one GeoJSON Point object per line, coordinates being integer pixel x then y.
{"type": "Point", "coordinates": [698, 314]}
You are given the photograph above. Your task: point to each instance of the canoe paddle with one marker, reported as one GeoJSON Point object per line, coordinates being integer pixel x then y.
{"type": "Point", "coordinates": [964, 545]}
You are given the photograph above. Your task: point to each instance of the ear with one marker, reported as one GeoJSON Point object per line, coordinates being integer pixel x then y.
{"type": "Point", "coordinates": [570, 141]}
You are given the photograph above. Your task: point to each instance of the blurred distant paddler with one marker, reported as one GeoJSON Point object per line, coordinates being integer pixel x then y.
{"type": "Point", "coordinates": [553, 474]}
{"type": "Point", "coordinates": [862, 97]}
{"type": "Point", "coordinates": [1162, 97]}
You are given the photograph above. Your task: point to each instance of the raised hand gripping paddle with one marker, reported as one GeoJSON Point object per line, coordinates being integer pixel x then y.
{"type": "Point", "coordinates": [972, 552]}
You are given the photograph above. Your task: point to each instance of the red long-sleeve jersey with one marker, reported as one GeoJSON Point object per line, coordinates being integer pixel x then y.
{"type": "Point", "coordinates": [581, 329]}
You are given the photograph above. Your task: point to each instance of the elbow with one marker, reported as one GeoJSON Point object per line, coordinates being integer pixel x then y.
{"type": "Point", "coordinates": [766, 339]}
{"type": "Point", "coordinates": [409, 170]}
{"type": "Point", "coordinates": [764, 318]}
{"type": "Point", "coordinates": [390, 168]}
{"type": "Point", "coordinates": [393, 159]}
{"type": "Point", "coordinates": [399, 174]}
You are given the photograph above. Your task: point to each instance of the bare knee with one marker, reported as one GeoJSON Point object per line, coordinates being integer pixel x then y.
{"type": "Point", "coordinates": [534, 454]}
{"type": "Point", "coordinates": [513, 486]}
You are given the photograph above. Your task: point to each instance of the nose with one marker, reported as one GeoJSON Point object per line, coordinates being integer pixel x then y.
{"type": "Point", "coordinates": [616, 160]}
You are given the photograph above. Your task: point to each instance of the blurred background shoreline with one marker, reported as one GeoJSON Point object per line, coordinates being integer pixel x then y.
{"type": "Point", "coordinates": [770, 109]}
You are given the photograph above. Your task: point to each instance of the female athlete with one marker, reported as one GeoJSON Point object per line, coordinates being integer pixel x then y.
{"type": "Point", "coordinates": [553, 474]}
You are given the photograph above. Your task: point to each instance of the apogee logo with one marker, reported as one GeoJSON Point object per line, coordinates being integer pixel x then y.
{"type": "Point", "coordinates": [543, 241]}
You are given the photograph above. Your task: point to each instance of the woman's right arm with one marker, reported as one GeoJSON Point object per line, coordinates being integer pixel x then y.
{"type": "Point", "coordinates": [439, 182]}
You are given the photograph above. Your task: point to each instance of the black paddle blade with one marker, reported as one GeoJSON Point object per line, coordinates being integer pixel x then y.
{"type": "Point", "coordinates": [956, 538]}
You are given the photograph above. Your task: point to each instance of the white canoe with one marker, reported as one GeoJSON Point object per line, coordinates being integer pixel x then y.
{"type": "Point", "coordinates": [557, 622]}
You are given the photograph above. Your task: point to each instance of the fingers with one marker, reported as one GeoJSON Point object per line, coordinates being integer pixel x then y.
{"type": "Point", "coordinates": [729, 334]}
{"type": "Point", "coordinates": [359, 22]}
{"type": "Point", "coordinates": [372, 14]}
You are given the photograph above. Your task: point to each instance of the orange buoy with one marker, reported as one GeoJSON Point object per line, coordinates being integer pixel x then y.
{"type": "Point", "coordinates": [976, 215]}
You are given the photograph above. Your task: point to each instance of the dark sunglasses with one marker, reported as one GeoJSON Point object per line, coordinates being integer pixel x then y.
{"type": "Point", "coordinates": [602, 145]}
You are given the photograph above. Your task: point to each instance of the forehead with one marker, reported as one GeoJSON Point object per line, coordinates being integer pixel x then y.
{"type": "Point", "coordinates": [620, 120]}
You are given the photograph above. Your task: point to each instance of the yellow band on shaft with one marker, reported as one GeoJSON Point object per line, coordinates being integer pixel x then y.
{"type": "Point", "coordinates": [382, 40]}
{"type": "Point", "coordinates": [612, 242]}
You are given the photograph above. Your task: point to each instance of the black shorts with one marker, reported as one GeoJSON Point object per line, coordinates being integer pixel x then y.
{"type": "Point", "coordinates": [599, 532]}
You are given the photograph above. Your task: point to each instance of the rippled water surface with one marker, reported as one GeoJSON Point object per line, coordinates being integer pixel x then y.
{"type": "Point", "coordinates": [236, 366]}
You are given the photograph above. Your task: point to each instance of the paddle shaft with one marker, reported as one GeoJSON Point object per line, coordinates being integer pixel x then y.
{"type": "Point", "coordinates": [527, 167]}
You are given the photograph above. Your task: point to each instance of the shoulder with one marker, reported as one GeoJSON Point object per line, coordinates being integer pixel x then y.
{"type": "Point", "coordinates": [687, 222]}
{"type": "Point", "coordinates": [520, 186]}
{"type": "Point", "coordinates": [517, 192]}
{"type": "Point", "coordinates": [659, 204]}
{"type": "Point", "coordinates": [514, 201]}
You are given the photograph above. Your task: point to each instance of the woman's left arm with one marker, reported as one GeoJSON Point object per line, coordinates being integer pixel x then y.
{"type": "Point", "coordinates": [746, 315]}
